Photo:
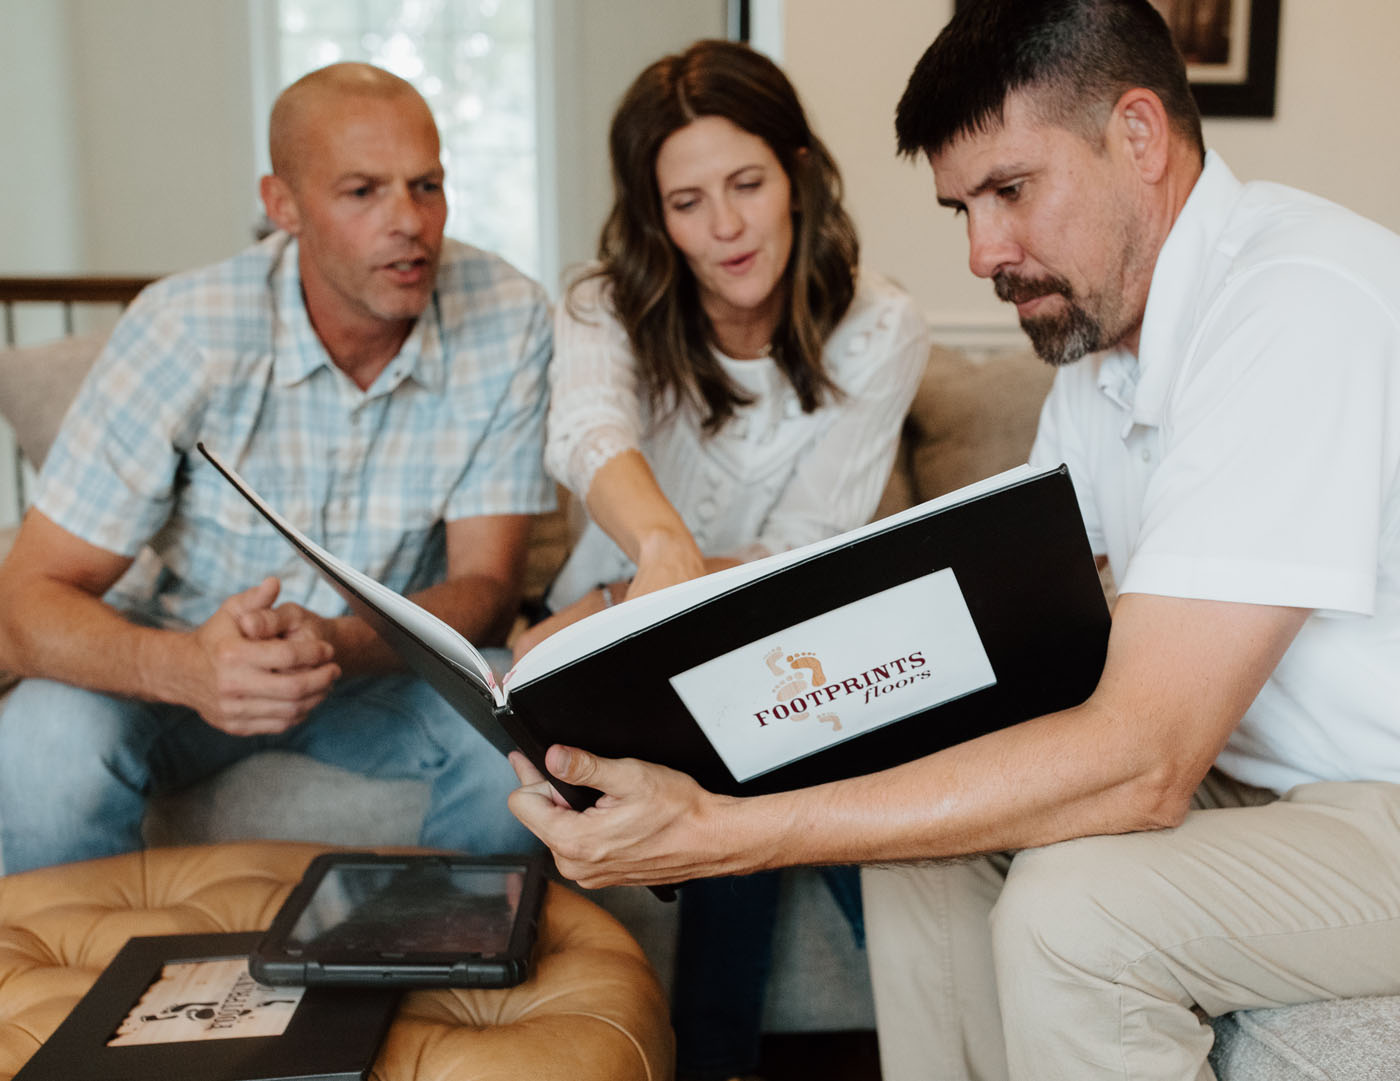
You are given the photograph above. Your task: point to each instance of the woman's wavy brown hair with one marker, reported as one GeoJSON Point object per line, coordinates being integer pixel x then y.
{"type": "Point", "coordinates": [653, 291]}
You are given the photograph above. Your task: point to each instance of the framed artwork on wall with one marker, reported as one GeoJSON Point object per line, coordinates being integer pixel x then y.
{"type": "Point", "coordinates": [1231, 50]}
{"type": "Point", "coordinates": [737, 19]}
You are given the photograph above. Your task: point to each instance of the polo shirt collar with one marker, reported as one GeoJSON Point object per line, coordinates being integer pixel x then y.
{"type": "Point", "coordinates": [298, 352]}
{"type": "Point", "coordinates": [1175, 296]}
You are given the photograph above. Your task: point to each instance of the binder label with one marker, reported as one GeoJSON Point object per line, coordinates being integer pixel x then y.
{"type": "Point", "coordinates": [838, 675]}
{"type": "Point", "coordinates": [207, 1000]}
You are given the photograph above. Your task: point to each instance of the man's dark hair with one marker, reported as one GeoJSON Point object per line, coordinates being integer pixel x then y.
{"type": "Point", "coordinates": [1073, 58]}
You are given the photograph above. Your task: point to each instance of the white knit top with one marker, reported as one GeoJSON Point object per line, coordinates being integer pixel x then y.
{"type": "Point", "coordinates": [771, 479]}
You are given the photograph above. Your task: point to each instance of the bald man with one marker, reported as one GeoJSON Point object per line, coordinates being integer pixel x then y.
{"type": "Point", "coordinates": [384, 388]}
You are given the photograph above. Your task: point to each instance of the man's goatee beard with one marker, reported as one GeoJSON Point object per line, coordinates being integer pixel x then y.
{"type": "Point", "coordinates": [1062, 339]}
{"type": "Point", "coordinates": [1057, 339]}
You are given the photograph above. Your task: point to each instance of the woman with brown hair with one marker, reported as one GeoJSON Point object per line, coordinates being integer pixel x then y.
{"type": "Point", "coordinates": [726, 384]}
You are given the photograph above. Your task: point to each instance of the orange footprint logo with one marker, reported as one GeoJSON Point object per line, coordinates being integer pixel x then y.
{"type": "Point", "coordinates": [789, 689]}
{"type": "Point", "coordinates": [811, 664]}
{"type": "Point", "coordinates": [802, 672]}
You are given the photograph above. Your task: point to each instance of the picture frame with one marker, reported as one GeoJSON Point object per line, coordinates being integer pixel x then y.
{"type": "Point", "coordinates": [332, 1034]}
{"type": "Point", "coordinates": [738, 20]}
{"type": "Point", "coordinates": [1231, 50]}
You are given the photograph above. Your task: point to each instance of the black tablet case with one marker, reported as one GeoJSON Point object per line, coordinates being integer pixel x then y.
{"type": "Point", "coordinates": [272, 963]}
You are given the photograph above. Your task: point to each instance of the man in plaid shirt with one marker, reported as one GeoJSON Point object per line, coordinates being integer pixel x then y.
{"type": "Point", "coordinates": [382, 387]}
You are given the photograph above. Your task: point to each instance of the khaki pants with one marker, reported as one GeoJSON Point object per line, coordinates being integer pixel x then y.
{"type": "Point", "coordinates": [1096, 958]}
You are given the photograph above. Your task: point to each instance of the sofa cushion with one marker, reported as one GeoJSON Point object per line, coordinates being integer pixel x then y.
{"type": "Point", "coordinates": [283, 795]}
{"type": "Point", "coordinates": [37, 383]}
{"type": "Point", "coordinates": [973, 416]}
{"type": "Point", "coordinates": [550, 540]}
{"type": "Point", "coordinates": [1346, 1040]}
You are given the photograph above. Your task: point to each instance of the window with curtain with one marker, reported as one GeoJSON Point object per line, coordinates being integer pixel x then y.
{"type": "Point", "coordinates": [474, 62]}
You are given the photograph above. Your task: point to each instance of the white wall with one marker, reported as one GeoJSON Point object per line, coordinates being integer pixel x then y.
{"type": "Point", "coordinates": [39, 210]}
{"type": "Point", "coordinates": [40, 221]}
{"type": "Point", "coordinates": [130, 123]}
{"type": "Point", "coordinates": [127, 125]}
{"type": "Point", "coordinates": [1333, 133]}
{"type": "Point", "coordinates": [163, 114]}
{"type": "Point", "coordinates": [599, 47]}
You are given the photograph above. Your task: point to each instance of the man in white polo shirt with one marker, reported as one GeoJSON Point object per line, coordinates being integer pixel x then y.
{"type": "Point", "coordinates": [1218, 825]}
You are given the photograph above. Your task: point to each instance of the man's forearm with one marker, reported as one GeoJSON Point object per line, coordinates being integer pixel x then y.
{"type": "Point", "coordinates": [1179, 676]}
{"type": "Point", "coordinates": [479, 607]}
{"type": "Point", "coordinates": [57, 631]}
{"type": "Point", "coordinates": [1017, 788]}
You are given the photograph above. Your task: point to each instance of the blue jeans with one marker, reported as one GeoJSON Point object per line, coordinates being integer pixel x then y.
{"type": "Point", "coordinates": [724, 954]}
{"type": "Point", "coordinates": [76, 767]}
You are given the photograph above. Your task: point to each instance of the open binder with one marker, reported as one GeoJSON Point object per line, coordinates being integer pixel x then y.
{"type": "Point", "coordinates": [971, 612]}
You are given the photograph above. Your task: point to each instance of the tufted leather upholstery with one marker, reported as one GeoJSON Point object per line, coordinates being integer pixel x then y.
{"type": "Point", "coordinates": [591, 1009]}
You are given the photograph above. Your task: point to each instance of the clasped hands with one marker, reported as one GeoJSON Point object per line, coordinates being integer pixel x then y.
{"type": "Point", "coordinates": [264, 668]}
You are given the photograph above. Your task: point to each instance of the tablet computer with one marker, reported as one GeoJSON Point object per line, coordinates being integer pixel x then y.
{"type": "Point", "coordinates": [360, 919]}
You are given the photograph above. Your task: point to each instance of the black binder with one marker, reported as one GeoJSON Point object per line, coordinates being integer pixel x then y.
{"type": "Point", "coordinates": [333, 1035]}
{"type": "Point", "coordinates": [1021, 558]}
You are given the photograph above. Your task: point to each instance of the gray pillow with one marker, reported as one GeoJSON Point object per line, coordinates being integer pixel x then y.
{"type": "Point", "coordinates": [37, 383]}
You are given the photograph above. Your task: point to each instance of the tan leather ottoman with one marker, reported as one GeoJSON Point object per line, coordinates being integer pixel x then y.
{"type": "Point", "coordinates": [592, 1008]}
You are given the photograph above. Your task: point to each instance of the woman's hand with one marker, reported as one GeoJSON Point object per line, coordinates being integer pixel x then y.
{"type": "Point", "coordinates": [665, 558]}
{"type": "Point", "coordinates": [595, 600]}
{"type": "Point", "coordinates": [630, 507]}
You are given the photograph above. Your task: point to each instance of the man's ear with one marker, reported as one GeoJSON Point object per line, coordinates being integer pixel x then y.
{"type": "Point", "coordinates": [1145, 132]}
{"type": "Point", "coordinates": [280, 203]}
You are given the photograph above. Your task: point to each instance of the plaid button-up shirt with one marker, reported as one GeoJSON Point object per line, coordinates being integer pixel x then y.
{"type": "Point", "coordinates": [452, 428]}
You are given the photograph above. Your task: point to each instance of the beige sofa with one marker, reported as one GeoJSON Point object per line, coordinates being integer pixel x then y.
{"type": "Point", "coordinates": [974, 415]}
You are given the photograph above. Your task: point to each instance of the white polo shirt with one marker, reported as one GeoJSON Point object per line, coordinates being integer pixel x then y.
{"type": "Point", "coordinates": [1251, 453]}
